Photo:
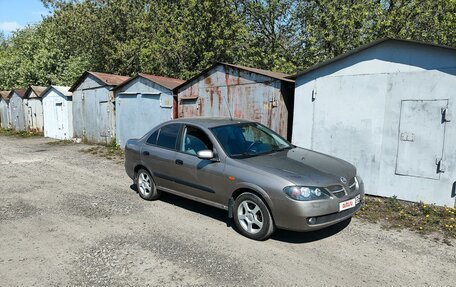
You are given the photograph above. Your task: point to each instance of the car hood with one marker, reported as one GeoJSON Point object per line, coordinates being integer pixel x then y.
{"type": "Point", "coordinates": [303, 167]}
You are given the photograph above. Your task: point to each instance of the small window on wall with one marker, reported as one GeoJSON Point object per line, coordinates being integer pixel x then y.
{"type": "Point", "coordinates": [166, 101]}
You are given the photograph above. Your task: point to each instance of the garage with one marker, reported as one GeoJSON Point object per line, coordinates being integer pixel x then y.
{"type": "Point", "coordinates": [143, 102]}
{"type": "Point", "coordinates": [387, 108]}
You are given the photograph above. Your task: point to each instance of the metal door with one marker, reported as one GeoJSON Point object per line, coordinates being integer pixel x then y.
{"type": "Point", "coordinates": [104, 119]}
{"type": "Point", "coordinates": [29, 120]}
{"type": "Point", "coordinates": [421, 138]}
{"type": "Point", "coordinates": [59, 120]}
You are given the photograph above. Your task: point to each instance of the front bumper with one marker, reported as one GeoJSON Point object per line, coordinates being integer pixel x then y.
{"type": "Point", "coordinates": [294, 215]}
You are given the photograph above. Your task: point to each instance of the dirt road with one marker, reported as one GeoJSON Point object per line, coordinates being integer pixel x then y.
{"type": "Point", "coordinates": [71, 218]}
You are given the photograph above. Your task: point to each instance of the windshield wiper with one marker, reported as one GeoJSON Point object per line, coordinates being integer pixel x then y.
{"type": "Point", "coordinates": [277, 149]}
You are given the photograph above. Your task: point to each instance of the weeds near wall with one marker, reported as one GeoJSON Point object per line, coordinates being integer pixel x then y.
{"type": "Point", "coordinates": [22, 134]}
{"type": "Point", "coordinates": [110, 151]}
{"type": "Point", "coordinates": [420, 217]}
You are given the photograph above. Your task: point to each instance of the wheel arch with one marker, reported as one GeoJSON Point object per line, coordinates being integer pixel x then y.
{"type": "Point", "coordinates": [141, 166]}
{"type": "Point", "coordinates": [258, 191]}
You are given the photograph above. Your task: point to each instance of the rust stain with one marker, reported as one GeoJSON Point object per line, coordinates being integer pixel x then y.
{"type": "Point", "coordinates": [208, 81]}
{"type": "Point", "coordinates": [220, 100]}
{"type": "Point", "coordinates": [211, 96]}
{"type": "Point", "coordinates": [246, 101]}
{"type": "Point", "coordinates": [228, 90]}
{"type": "Point", "coordinates": [257, 114]}
{"type": "Point", "coordinates": [200, 105]}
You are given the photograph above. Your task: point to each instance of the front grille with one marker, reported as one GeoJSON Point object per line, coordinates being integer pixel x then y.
{"type": "Point", "coordinates": [334, 216]}
{"type": "Point", "coordinates": [337, 190]}
{"type": "Point", "coordinates": [352, 185]}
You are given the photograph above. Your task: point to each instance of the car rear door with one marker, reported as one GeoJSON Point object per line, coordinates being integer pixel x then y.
{"type": "Point", "coordinates": [159, 154]}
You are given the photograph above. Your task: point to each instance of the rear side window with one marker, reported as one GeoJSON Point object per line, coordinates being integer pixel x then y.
{"type": "Point", "coordinates": [153, 138]}
{"type": "Point", "coordinates": [168, 135]}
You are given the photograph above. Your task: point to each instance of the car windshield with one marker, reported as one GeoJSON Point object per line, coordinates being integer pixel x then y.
{"type": "Point", "coordinates": [248, 139]}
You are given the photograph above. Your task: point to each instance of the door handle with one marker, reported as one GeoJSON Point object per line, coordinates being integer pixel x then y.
{"type": "Point", "coordinates": [179, 162]}
{"type": "Point", "coordinates": [146, 153]}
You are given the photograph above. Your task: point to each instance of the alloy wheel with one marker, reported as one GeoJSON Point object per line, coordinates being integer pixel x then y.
{"type": "Point", "coordinates": [250, 216]}
{"type": "Point", "coordinates": [144, 184]}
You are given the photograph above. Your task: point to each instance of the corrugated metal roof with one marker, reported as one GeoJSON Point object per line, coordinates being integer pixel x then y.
{"type": "Point", "coordinates": [63, 90]}
{"type": "Point", "coordinates": [38, 90]}
{"type": "Point", "coordinates": [5, 95]}
{"type": "Point", "coordinates": [362, 48]}
{"type": "Point", "coordinates": [166, 82]}
{"type": "Point", "coordinates": [20, 92]}
{"type": "Point", "coordinates": [271, 74]}
{"type": "Point", "coordinates": [108, 79]}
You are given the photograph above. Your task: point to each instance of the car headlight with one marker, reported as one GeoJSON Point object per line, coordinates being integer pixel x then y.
{"type": "Point", "coordinates": [306, 193]}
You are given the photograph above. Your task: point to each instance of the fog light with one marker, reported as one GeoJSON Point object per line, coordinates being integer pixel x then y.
{"type": "Point", "coordinates": [311, 220]}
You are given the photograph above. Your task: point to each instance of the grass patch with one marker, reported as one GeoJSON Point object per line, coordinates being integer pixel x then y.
{"type": "Point", "coordinates": [110, 151]}
{"type": "Point", "coordinates": [61, 142]}
{"type": "Point", "coordinates": [420, 217]}
{"type": "Point", "coordinates": [22, 134]}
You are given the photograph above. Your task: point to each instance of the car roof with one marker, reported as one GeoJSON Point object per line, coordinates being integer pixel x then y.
{"type": "Point", "coordinates": [209, 122]}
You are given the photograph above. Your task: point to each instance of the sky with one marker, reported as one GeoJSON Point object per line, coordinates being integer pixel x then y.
{"type": "Point", "coordinates": [15, 14]}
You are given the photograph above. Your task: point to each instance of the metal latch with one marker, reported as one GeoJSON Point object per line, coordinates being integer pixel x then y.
{"type": "Point", "coordinates": [314, 95]}
{"type": "Point", "coordinates": [273, 103]}
{"type": "Point", "coordinates": [441, 168]}
{"type": "Point", "coordinates": [445, 115]}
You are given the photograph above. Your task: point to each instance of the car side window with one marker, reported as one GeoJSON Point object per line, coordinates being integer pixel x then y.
{"type": "Point", "coordinates": [153, 138]}
{"type": "Point", "coordinates": [195, 140]}
{"type": "Point", "coordinates": [168, 135]}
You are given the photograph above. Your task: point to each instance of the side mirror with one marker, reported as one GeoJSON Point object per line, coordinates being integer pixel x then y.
{"type": "Point", "coordinates": [205, 154]}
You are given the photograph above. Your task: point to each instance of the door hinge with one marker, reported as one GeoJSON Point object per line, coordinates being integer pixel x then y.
{"type": "Point", "coordinates": [445, 115]}
{"type": "Point", "coordinates": [314, 95]}
{"type": "Point", "coordinates": [441, 168]}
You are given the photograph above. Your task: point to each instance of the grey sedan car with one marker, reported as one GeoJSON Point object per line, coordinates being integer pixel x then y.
{"type": "Point", "coordinates": [263, 181]}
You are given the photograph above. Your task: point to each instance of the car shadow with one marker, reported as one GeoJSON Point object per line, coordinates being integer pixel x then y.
{"type": "Point", "coordinates": [221, 215]}
{"type": "Point", "coordinates": [194, 206]}
{"type": "Point", "coordinates": [310, 236]}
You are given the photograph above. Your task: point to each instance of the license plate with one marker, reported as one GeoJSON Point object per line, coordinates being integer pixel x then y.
{"type": "Point", "coordinates": [349, 203]}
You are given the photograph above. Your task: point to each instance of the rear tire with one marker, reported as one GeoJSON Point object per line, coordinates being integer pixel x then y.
{"type": "Point", "coordinates": [146, 186]}
{"type": "Point", "coordinates": [252, 217]}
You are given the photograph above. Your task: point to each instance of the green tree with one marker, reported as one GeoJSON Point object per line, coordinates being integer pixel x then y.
{"type": "Point", "coordinates": [180, 38]}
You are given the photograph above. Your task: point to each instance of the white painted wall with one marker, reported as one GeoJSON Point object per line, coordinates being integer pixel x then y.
{"type": "Point", "coordinates": [58, 115]}
{"type": "Point", "coordinates": [33, 111]}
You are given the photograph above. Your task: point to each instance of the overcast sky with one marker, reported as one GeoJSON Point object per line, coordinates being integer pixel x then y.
{"type": "Point", "coordinates": [15, 14]}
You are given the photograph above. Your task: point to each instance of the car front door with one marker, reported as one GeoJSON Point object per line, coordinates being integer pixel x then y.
{"type": "Point", "coordinates": [197, 177]}
{"type": "Point", "coordinates": [159, 155]}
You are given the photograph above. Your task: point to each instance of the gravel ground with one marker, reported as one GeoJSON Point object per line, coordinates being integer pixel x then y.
{"type": "Point", "coordinates": [69, 218]}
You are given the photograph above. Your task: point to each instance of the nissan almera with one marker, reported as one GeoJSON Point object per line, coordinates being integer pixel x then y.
{"type": "Point", "coordinates": [263, 181]}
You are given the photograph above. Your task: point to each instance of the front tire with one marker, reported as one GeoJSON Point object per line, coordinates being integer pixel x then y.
{"type": "Point", "coordinates": [252, 217]}
{"type": "Point", "coordinates": [146, 185]}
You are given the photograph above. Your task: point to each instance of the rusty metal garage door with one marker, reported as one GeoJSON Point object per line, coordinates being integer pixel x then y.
{"type": "Point", "coordinates": [421, 138]}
